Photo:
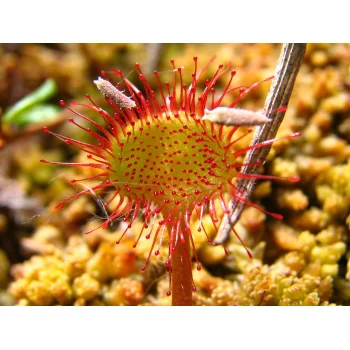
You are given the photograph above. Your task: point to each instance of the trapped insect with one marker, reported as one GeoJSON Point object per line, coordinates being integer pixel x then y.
{"type": "Point", "coordinates": [235, 117]}
{"type": "Point", "coordinates": [113, 94]}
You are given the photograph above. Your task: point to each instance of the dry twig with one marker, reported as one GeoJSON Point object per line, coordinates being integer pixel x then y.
{"type": "Point", "coordinates": [287, 69]}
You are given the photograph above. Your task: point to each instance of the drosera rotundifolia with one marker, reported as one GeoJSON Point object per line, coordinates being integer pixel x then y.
{"type": "Point", "coordinates": [162, 160]}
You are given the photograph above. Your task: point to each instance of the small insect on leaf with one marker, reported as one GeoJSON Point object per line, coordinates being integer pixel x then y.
{"type": "Point", "coordinates": [235, 117]}
{"type": "Point", "coordinates": [113, 94]}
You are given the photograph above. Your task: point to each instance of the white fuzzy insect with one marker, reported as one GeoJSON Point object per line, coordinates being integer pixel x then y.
{"type": "Point", "coordinates": [111, 92]}
{"type": "Point", "coordinates": [235, 117]}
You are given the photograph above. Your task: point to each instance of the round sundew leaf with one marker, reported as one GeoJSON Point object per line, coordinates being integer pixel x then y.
{"type": "Point", "coordinates": [160, 158]}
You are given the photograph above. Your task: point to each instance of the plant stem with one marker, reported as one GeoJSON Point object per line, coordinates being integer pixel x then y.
{"type": "Point", "coordinates": [181, 279]}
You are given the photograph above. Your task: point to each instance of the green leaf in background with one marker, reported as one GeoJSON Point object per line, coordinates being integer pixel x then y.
{"type": "Point", "coordinates": [30, 109]}
{"type": "Point", "coordinates": [37, 114]}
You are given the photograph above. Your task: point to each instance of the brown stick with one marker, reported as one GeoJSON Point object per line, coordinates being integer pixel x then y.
{"type": "Point", "coordinates": [154, 53]}
{"type": "Point", "coordinates": [286, 71]}
{"type": "Point", "coordinates": [182, 272]}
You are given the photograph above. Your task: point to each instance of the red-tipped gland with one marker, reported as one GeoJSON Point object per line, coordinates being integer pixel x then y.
{"type": "Point", "coordinates": [59, 206]}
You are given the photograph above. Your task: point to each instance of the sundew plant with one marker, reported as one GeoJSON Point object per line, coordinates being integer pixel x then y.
{"type": "Point", "coordinates": [163, 161]}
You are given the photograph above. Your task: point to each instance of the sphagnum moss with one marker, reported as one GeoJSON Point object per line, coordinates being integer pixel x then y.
{"type": "Point", "coordinates": [162, 159]}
